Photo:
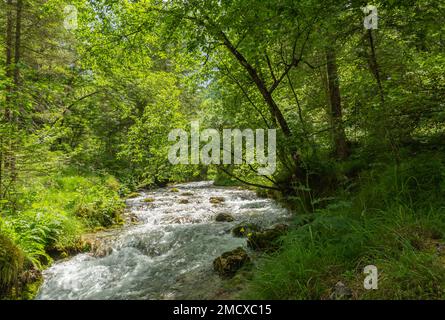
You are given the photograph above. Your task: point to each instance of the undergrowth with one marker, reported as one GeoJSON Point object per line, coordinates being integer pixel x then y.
{"type": "Point", "coordinates": [395, 221]}
{"type": "Point", "coordinates": [49, 215]}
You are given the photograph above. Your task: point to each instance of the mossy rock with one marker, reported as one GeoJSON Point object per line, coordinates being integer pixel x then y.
{"type": "Point", "coordinates": [244, 229]}
{"type": "Point", "coordinates": [183, 201]}
{"type": "Point", "coordinates": [11, 265]}
{"type": "Point", "coordinates": [216, 200]}
{"type": "Point", "coordinates": [224, 217]}
{"type": "Point", "coordinates": [187, 193]}
{"type": "Point", "coordinates": [133, 195]}
{"type": "Point", "coordinates": [174, 190]}
{"type": "Point", "coordinates": [267, 240]}
{"type": "Point", "coordinates": [149, 200]}
{"type": "Point", "coordinates": [230, 262]}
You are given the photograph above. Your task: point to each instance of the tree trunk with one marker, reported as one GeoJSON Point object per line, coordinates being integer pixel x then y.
{"type": "Point", "coordinates": [335, 114]}
{"type": "Point", "coordinates": [16, 78]}
{"type": "Point", "coordinates": [275, 111]}
{"type": "Point", "coordinates": [375, 67]}
{"type": "Point", "coordinates": [7, 113]}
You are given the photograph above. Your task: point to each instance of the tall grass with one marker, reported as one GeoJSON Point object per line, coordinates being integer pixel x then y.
{"type": "Point", "coordinates": [396, 222]}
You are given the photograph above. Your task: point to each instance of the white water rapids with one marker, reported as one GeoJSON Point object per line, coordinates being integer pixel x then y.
{"type": "Point", "coordinates": [169, 253]}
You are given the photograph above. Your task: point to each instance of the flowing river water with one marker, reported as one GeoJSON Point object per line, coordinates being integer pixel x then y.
{"type": "Point", "coordinates": [168, 254]}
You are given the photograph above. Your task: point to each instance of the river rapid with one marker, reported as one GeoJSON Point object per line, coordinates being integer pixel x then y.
{"type": "Point", "coordinates": [168, 254]}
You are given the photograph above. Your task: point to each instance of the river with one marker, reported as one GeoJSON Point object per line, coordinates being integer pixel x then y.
{"type": "Point", "coordinates": [168, 254]}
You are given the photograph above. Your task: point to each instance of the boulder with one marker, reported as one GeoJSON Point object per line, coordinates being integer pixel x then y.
{"type": "Point", "coordinates": [267, 239]}
{"type": "Point", "coordinates": [230, 262]}
{"type": "Point", "coordinates": [224, 217]}
{"type": "Point", "coordinates": [216, 200]}
{"type": "Point", "coordinates": [244, 229]}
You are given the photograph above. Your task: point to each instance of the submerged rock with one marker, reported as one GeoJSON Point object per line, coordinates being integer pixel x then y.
{"type": "Point", "coordinates": [244, 229]}
{"type": "Point", "coordinates": [216, 200]}
{"type": "Point", "coordinates": [224, 217]}
{"type": "Point", "coordinates": [230, 262]}
{"type": "Point", "coordinates": [267, 239]}
{"type": "Point", "coordinates": [183, 201]}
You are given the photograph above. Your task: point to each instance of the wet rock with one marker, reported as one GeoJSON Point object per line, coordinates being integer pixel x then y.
{"type": "Point", "coordinates": [99, 244]}
{"type": "Point", "coordinates": [174, 190]}
{"type": "Point", "coordinates": [149, 200]}
{"type": "Point", "coordinates": [244, 229]}
{"type": "Point", "coordinates": [183, 201]}
{"type": "Point", "coordinates": [102, 251]}
{"type": "Point", "coordinates": [340, 292]}
{"type": "Point", "coordinates": [187, 193]}
{"type": "Point", "coordinates": [230, 262]}
{"type": "Point", "coordinates": [267, 239]}
{"type": "Point", "coordinates": [216, 200]}
{"type": "Point", "coordinates": [224, 217]}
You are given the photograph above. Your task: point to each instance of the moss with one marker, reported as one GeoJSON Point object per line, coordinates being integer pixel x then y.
{"type": "Point", "coordinates": [148, 200]}
{"type": "Point", "coordinates": [133, 195]}
{"type": "Point", "coordinates": [230, 262]}
{"type": "Point", "coordinates": [11, 266]}
{"type": "Point", "coordinates": [174, 190]}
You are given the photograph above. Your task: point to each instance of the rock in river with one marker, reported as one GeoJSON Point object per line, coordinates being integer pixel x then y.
{"type": "Point", "coordinates": [216, 200]}
{"type": "Point", "coordinates": [224, 217]}
{"type": "Point", "coordinates": [230, 262]}
{"type": "Point", "coordinates": [244, 229]}
{"type": "Point", "coordinates": [267, 239]}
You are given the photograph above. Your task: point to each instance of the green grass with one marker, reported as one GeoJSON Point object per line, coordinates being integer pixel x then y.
{"type": "Point", "coordinates": [337, 246]}
{"type": "Point", "coordinates": [395, 221]}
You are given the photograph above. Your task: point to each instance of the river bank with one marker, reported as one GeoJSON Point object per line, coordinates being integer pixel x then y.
{"type": "Point", "coordinates": [168, 254]}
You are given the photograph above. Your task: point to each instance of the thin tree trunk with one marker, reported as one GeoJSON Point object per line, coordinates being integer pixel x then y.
{"type": "Point", "coordinates": [335, 114]}
{"type": "Point", "coordinates": [5, 152]}
{"type": "Point", "coordinates": [265, 92]}
{"type": "Point", "coordinates": [17, 55]}
{"type": "Point", "coordinates": [375, 66]}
